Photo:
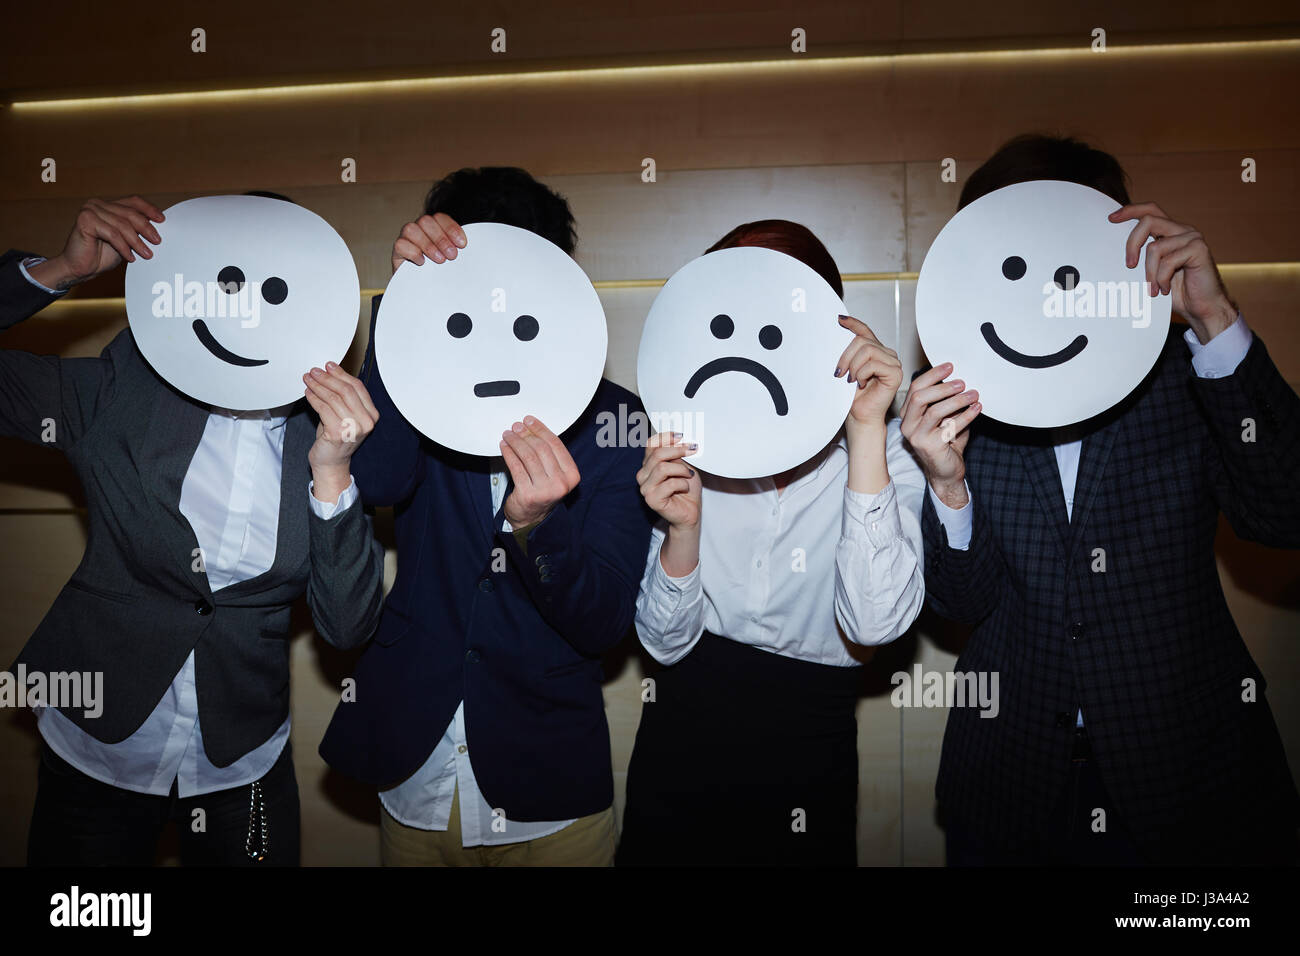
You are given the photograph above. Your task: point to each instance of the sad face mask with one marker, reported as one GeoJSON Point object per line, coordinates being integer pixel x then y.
{"type": "Point", "coordinates": [737, 354]}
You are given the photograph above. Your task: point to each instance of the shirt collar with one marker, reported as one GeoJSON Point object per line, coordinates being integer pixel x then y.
{"type": "Point", "coordinates": [273, 418]}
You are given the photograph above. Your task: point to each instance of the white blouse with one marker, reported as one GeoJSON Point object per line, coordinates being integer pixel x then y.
{"type": "Point", "coordinates": [768, 574]}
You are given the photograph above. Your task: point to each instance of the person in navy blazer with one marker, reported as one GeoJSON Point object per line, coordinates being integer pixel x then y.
{"type": "Point", "coordinates": [489, 646]}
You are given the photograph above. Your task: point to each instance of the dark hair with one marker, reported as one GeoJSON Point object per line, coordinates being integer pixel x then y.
{"type": "Point", "coordinates": [790, 238]}
{"type": "Point", "coordinates": [504, 194]}
{"type": "Point", "coordinates": [269, 195]}
{"type": "Point", "coordinates": [1040, 156]}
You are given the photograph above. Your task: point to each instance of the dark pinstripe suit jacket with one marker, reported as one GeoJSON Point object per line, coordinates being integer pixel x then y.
{"type": "Point", "coordinates": [1146, 647]}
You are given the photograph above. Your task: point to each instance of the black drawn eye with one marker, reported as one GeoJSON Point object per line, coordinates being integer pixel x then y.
{"type": "Point", "coordinates": [525, 328]}
{"type": "Point", "coordinates": [275, 290]}
{"type": "Point", "coordinates": [1013, 267]}
{"type": "Point", "coordinates": [722, 326]}
{"type": "Point", "coordinates": [231, 279]}
{"type": "Point", "coordinates": [458, 325]}
{"type": "Point", "coordinates": [769, 336]}
{"type": "Point", "coordinates": [1067, 278]}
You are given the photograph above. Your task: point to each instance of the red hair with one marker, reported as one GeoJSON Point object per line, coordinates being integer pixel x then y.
{"type": "Point", "coordinates": [790, 238]}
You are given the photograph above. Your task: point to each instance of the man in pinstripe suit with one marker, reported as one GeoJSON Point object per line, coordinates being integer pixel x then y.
{"type": "Point", "coordinates": [1133, 726]}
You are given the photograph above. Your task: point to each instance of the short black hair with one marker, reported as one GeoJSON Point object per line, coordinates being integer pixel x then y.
{"type": "Point", "coordinates": [504, 194]}
{"type": "Point", "coordinates": [1042, 156]}
{"type": "Point", "coordinates": [267, 194]}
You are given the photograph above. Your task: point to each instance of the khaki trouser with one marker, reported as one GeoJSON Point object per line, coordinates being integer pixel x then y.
{"type": "Point", "coordinates": [587, 841]}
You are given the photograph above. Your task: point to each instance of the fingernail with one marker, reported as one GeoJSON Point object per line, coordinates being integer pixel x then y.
{"type": "Point", "coordinates": [677, 435]}
{"type": "Point", "coordinates": [529, 420]}
{"type": "Point", "coordinates": [977, 406]}
{"type": "Point", "coordinates": [837, 371]}
{"type": "Point", "coordinates": [850, 378]}
{"type": "Point", "coordinates": [459, 239]}
{"type": "Point", "coordinates": [517, 428]}
{"type": "Point", "coordinates": [692, 446]}
{"type": "Point", "coordinates": [331, 366]}
{"type": "Point", "coordinates": [843, 317]}
{"type": "Point", "coordinates": [692, 471]}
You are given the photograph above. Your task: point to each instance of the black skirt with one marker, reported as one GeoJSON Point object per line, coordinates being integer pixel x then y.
{"type": "Point", "coordinates": [745, 757]}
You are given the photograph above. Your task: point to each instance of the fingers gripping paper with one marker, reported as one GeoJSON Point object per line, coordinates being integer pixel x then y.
{"type": "Point", "coordinates": [511, 327]}
{"type": "Point", "coordinates": [738, 354]}
{"type": "Point", "coordinates": [242, 297]}
{"type": "Point", "coordinates": [1027, 293]}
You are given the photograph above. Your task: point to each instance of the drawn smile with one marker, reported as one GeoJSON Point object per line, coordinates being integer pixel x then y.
{"type": "Point", "coordinates": [220, 351]}
{"type": "Point", "coordinates": [1032, 361]}
{"type": "Point", "coordinates": [734, 363]}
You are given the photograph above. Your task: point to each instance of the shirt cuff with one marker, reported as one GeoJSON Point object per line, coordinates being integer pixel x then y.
{"type": "Point", "coordinates": [683, 589]}
{"type": "Point", "coordinates": [326, 509]}
{"type": "Point", "coordinates": [876, 515]}
{"type": "Point", "coordinates": [35, 261]}
{"type": "Point", "coordinates": [1219, 357]}
{"type": "Point", "coordinates": [956, 521]}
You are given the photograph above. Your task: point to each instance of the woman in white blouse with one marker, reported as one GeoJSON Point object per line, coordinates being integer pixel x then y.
{"type": "Point", "coordinates": [758, 596]}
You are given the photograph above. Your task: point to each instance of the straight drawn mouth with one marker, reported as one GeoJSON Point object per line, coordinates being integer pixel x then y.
{"type": "Point", "coordinates": [1032, 361]}
{"type": "Point", "coordinates": [496, 389]}
{"type": "Point", "coordinates": [734, 363]}
{"type": "Point", "coordinates": [220, 351]}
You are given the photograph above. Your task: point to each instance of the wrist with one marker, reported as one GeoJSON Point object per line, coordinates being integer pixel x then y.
{"type": "Point", "coordinates": [53, 274]}
{"type": "Point", "coordinates": [1218, 318]}
{"type": "Point", "coordinates": [951, 493]}
{"type": "Point", "coordinates": [330, 481]}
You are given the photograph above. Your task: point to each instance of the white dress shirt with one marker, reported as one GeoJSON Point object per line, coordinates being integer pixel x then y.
{"type": "Point", "coordinates": [768, 575]}
{"type": "Point", "coordinates": [231, 497]}
{"type": "Point", "coordinates": [1217, 358]}
{"type": "Point", "coordinates": [423, 800]}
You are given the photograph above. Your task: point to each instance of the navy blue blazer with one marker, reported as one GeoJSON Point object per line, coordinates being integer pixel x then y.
{"type": "Point", "coordinates": [519, 644]}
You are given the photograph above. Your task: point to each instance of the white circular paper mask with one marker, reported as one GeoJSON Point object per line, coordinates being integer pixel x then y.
{"type": "Point", "coordinates": [738, 354]}
{"type": "Point", "coordinates": [1026, 292]}
{"type": "Point", "coordinates": [243, 296]}
{"type": "Point", "coordinates": [511, 327]}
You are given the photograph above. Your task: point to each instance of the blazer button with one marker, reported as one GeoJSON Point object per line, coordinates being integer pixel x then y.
{"type": "Point", "coordinates": [545, 575]}
{"type": "Point", "coordinates": [473, 656]}
{"type": "Point", "coordinates": [202, 607]}
{"type": "Point", "coordinates": [1074, 630]}
{"type": "Point", "coordinates": [485, 585]}
{"type": "Point", "coordinates": [542, 559]}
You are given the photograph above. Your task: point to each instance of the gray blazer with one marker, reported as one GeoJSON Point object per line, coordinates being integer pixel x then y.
{"type": "Point", "coordinates": [135, 607]}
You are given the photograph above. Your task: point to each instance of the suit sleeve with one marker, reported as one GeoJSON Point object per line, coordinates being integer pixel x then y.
{"type": "Point", "coordinates": [583, 576]}
{"type": "Point", "coordinates": [1254, 418]}
{"type": "Point", "coordinates": [44, 399]}
{"type": "Point", "coordinates": [386, 466]}
{"type": "Point", "coordinates": [345, 588]}
{"type": "Point", "coordinates": [961, 585]}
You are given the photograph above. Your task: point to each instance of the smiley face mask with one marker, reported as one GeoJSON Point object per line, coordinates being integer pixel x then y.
{"type": "Point", "coordinates": [242, 297]}
{"type": "Point", "coordinates": [1027, 293]}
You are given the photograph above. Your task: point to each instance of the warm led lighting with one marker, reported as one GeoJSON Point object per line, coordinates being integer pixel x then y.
{"type": "Point", "coordinates": [793, 65]}
{"type": "Point", "coordinates": [1236, 267]}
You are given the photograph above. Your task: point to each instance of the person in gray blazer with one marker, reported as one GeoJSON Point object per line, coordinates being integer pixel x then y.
{"type": "Point", "coordinates": [204, 526]}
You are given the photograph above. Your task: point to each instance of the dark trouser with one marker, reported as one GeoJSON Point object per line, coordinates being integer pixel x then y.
{"type": "Point", "coordinates": [1073, 839]}
{"type": "Point", "coordinates": [79, 821]}
{"type": "Point", "coordinates": [744, 757]}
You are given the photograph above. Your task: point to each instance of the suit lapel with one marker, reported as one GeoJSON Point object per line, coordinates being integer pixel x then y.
{"type": "Point", "coordinates": [175, 430]}
{"type": "Point", "coordinates": [291, 536]}
{"type": "Point", "coordinates": [1093, 457]}
{"type": "Point", "coordinates": [1045, 478]}
{"type": "Point", "coordinates": [478, 484]}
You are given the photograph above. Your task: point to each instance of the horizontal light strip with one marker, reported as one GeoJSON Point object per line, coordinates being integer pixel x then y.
{"type": "Point", "coordinates": [655, 283]}
{"type": "Point", "coordinates": [791, 64]}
